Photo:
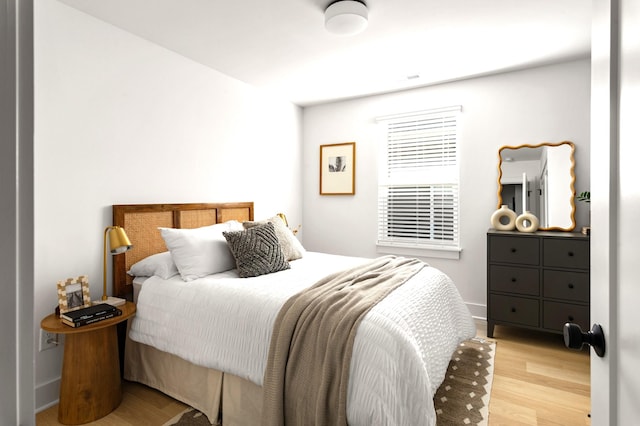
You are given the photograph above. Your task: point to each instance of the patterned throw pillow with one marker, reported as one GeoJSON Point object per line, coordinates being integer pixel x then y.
{"type": "Point", "coordinates": [256, 250]}
{"type": "Point", "coordinates": [291, 247]}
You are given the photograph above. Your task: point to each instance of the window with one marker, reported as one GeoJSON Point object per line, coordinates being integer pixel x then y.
{"type": "Point", "coordinates": [418, 182]}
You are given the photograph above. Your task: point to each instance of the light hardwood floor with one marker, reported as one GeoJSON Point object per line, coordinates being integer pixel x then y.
{"type": "Point", "coordinates": [537, 381]}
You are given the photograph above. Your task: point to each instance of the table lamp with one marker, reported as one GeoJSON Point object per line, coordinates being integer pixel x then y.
{"type": "Point", "coordinates": [286, 223]}
{"type": "Point", "coordinates": [118, 243]}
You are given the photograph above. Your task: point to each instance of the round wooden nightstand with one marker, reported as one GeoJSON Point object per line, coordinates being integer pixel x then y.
{"type": "Point", "coordinates": [90, 387]}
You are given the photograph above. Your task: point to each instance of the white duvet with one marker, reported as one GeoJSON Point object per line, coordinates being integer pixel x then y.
{"type": "Point", "coordinates": [401, 350]}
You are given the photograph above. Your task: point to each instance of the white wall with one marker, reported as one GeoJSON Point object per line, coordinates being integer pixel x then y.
{"type": "Point", "coordinates": [546, 104]}
{"type": "Point", "coordinates": [120, 120]}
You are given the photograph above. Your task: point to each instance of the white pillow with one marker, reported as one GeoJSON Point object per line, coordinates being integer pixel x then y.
{"type": "Point", "coordinates": [159, 264]}
{"type": "Point", "coordinates": [201, 251]}
{"type": "Point", "coordinates": [289, 244]}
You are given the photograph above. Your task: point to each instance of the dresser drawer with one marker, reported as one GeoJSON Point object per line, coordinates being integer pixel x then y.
{"type": "Point", "coordinates": [516, 310]}
{"type": "Point", "coordinates": [570, 286]}
{"type": "Point", "coordinates": [511, 279]}
{"type": "Point", "coordinates": [556, 314]}
{"type": "Point", "coordinates": [566, 253]}
{"type": "Point", "coordinates": [520, 250]}
{"type": "Point", "coordinates": [537, 280]}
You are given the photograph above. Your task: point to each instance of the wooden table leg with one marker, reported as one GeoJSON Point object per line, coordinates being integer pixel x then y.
{"type": "Point", "coordinates": [90, 387]}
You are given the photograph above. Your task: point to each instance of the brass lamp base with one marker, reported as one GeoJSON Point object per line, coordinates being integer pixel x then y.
{"type": "Point", "coordinates": [114, 301]}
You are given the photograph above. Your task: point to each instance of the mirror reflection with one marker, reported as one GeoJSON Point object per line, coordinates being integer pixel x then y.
{"type": "Point", "coordinates": [540, 179]}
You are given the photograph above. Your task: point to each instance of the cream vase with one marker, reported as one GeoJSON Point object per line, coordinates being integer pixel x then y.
{"type": "Point", "coordinates": [529, 217]}
{"type": "Point", "coordinates": [503, 219]}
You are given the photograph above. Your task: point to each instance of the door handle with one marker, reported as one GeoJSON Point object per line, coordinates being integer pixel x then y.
{"type": "Point", "coordinates": [575, 338]}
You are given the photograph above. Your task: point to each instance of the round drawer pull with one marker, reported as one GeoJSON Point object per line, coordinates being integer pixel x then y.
{"type": "Point", "coordinates": [513, 280]}
{"type": "Point", "coordinates": [570, 254]}
{"type": "Point", "coordinates": [570, 285]}
{"type": "Point", "coordinates": [513, 250]}
{"type": "Point", "coordinates": [570, 318]}
{"type": "Point", "coordinates": [513, 309]}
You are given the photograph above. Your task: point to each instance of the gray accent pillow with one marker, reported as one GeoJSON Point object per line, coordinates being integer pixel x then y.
{"type": "Point", "coordinates": [256, 250]}
{"type": "Point", "coordinates": [291, 247]}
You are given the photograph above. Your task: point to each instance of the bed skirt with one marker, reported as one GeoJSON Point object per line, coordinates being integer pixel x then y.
{"type": "Point", "coordinates": [235, 401]}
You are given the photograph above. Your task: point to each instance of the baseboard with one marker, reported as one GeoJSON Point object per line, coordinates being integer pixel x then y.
{"type": "Point", "coordinates": [47, 394]}
{"type": "Point", "coordinates": [477, 310]}
{"type": "Point", "coordinates": [481, 327]}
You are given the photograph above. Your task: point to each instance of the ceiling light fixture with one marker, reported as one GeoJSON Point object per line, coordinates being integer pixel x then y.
{"type": "Point", "coordinates": [346, 17]}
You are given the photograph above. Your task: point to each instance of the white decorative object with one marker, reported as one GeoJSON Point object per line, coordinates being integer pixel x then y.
{"type": "Point", "coordinates": [498, 219]}
{"type": "Point", "coordinates": [531, 219]}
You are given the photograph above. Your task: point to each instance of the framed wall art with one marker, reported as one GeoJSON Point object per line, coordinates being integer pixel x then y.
{"type": "Point", "coordinates": [338, 169]}
{"type": "Point", "coordinates": [73, 293]}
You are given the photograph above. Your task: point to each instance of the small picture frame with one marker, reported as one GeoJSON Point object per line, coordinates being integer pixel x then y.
{"type": "Point", "coordinates": [338, 169]}
{"type": "Point", "coordinates": [73, 294]}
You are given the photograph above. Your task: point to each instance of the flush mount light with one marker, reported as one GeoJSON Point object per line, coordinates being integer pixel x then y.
{"type": "Point", "coordinates": [346, 17]}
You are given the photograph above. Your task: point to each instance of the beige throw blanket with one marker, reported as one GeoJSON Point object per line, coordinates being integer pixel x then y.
{"type": "Point", "coordinates": [307, 371]}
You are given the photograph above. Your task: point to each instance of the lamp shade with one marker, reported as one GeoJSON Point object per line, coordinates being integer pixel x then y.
{"type": "Point", "coordinates": [118, 243]}
{"type": "Point", "coordinates": [346, 17]}
{"type": "Point", "coordinates": [118, 240]}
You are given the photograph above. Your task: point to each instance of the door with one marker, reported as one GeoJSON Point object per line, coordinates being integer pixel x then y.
{"type": "Point", "coordinates": [628, 318]}
{"type": "Point", "coordinates": [615, 209]}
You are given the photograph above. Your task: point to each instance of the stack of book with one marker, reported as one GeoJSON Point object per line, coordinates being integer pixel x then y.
{"type": "Point", "coordinates": [89, 315]}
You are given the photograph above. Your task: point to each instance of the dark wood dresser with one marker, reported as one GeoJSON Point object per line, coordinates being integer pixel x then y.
{"type": "Point", "coordinates": [537, 280]}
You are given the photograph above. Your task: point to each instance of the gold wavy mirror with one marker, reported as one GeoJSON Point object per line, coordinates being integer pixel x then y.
{"type": "Point", "coordinates": [540, 179]}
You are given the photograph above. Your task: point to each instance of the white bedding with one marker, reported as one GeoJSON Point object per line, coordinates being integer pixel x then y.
{"type": "Point", "coordinates": [401, 350]}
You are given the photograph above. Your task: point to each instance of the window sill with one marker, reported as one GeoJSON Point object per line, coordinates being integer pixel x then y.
{"type": "Point", "coordinates": [431, 251]}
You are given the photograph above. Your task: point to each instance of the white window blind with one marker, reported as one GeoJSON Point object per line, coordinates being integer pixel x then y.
{"type": "Point", "coordinates": [418, 182]}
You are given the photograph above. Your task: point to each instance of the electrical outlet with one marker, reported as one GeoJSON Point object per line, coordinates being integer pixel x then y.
{"type": "Point", "coordinates": [48, 340]}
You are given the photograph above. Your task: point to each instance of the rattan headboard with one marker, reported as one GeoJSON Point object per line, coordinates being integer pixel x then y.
{"type": "Point", "coordinates": [141, 222]}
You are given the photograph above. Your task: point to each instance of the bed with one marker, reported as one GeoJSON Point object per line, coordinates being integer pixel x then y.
{"type": "Point", "coordinates": [205, 341]}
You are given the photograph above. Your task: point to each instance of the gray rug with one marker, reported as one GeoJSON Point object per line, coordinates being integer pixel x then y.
{"type": "Point", "coordinates": [462, 399]}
